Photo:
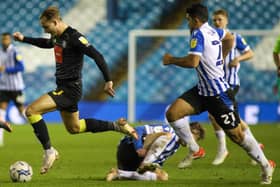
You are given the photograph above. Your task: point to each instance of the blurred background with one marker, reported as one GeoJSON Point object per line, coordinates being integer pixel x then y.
{"type": "Point", "coordinates": [107, 24]}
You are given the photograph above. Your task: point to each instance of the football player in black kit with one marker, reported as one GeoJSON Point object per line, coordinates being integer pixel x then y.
{"type": "Point", "coordinates": [69, 48]}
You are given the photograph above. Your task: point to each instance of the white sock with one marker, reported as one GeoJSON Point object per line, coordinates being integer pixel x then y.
{"type": "Point", "coordinates": [248, 132]}
{"type": "Point", "coordinates": [254, 151]}
{"type": "Point", "coordinates": [157, 147]}
{"type": "Point", "coordinates": [1, 137]}
{"type": "Point", "coordinates": [49, 151]}
{"type": "Point", "coordinates": [2, 118]}
{"type": "Point", "coordinates": [147, 176]}
{"type": "Point", "coordinates": [221, 136]}
{"type": "Point", "coordinates": [2, 115]}
{"type": "Point", "coordinates": [182, 129]}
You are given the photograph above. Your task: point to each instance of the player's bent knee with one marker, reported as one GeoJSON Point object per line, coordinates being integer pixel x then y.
{"type": "Point", "coordinates": [171, 116]}
{"type": "Point", "coordinates": [73, 129]}
{"type": "Point", "coordinates": [29, 111]}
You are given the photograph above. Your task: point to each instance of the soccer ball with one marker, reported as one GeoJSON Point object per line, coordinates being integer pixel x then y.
{"type": "Point", "coordinates": [21, 171]}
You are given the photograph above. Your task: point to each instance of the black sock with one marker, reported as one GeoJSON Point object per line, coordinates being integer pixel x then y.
{"type": "Point", "coordinates": [94, 125]}
{"type": "Point", "coordinates": [41, 131]}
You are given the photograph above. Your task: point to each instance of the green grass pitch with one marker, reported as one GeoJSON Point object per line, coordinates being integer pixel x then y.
{"type": "Point", "coordinates": [85, 159]}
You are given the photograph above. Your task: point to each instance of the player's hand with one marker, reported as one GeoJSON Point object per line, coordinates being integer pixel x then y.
{"type": "Point", "coordinates": [108, 88]}
{"type": "Point", "coordinates": [18, 36]}
{"type": "Point", "coordinates": [166, 60]}
{"type": "Point", "coordinates": [141, 152]}
{"type": "Point", "coordinates": [234, 62]}
{"type": "Point", "coordinates": [2, 69]}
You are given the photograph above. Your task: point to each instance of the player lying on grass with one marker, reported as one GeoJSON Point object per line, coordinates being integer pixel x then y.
{"type": "Point", "coordinates": [142, 159]}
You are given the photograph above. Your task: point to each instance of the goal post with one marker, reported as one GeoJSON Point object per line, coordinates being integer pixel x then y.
{"type": "Point", "coordinates": [132, 55]}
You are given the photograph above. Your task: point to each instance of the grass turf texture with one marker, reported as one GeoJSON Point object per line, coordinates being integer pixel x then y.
{"type": "Point", "coordinates": [86, 158]}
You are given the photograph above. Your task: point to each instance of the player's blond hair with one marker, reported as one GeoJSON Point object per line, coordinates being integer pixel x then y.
{"type": "Point", "coordinates": [221, 12]}
{"type": "Point", "coordinates": [52, 12]}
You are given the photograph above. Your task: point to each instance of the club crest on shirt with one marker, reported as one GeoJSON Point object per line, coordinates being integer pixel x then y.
{"type": "Point", "coordinates": [64, 44]}
{"type": "Point", "coordinates": [18, 57]}
{"type": "Point", "coordinates": [243, 41]}
{"type": "Point", "coordinates": [193, 42]}
{"type": "Point", "coordinates": [83, 40]}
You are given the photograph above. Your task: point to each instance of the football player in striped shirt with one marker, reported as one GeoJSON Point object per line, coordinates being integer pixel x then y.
{"type": "Point", "coordinates": [142, 159]}
{"type": "Point", "coordinates": [208, 48]}
{"type": "Point", "coordinates": [11, 81]}
{"type": "Point", "coordinates": [241, 51]}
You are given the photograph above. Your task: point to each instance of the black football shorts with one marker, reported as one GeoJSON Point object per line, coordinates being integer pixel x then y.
{"type": "Point", "coordinates": [223, 107]}
{"type": "Point", "coordinates": [67, 95]}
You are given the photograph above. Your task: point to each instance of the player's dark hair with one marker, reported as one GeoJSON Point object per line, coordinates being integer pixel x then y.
{"type": "Point", "coordinates": [52, 12]}
{"type": "Point", "coordinates": [198, 11]}
{"type": "Point", "coordinates": [221, 12]}
{"type": "Point", "coordinates": [6, 34]}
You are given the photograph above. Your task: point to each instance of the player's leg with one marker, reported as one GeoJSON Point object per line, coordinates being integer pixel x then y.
{"type": "Point", "coordinates": [246, 129]}
{"type": "Point", "coordinates": [222, 151]}
{"type": "Point", "coordinates": [176, 118]}
{"type": "Point", "coordinates": [158, 174]}
{"type": "Point", "coordinates": [3, 123]}
{"type": "Point", "coordinates": [18, 99]}
{"type": "Point", "coordinates": [187, 104]}
{"type": "Point", "coordinates": [251, 146]}
{"type": "Point", "coordinates": [161, 148]}
{"type": "Point", "coordinates": [34, 115]}
{"type": "Point", "coordinates": [75, 125]}
{"type": "Point", "coordinates": [221, 108]}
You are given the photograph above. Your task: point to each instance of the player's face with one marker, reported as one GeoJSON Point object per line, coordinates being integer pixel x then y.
{"type": "Point", "coordinates": [49, 26]}
{"type": "Point", "coordinates": [220, 21]}
{"type": "Point", "coordinates": [191, 22]}
{"type": "Point", "coordinates": [6, 41]}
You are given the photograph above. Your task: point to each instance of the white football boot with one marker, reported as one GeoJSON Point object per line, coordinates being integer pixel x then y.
{"type": "Point", "coordinates": [48, 159]}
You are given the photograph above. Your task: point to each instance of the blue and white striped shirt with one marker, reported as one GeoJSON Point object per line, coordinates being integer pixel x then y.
{"type": "Point", "coordinates": [231, 73]}
{"type": "Point", "coordinates": [171, 147]}
{"type": "Point", "coordinates": [206, 42]}
{"type": "Point", "coordinates": [11, 79]}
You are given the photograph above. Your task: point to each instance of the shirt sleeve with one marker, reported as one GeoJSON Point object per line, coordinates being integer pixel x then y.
{"type": "Point", "coordinates": [19, 67]}
{"type": "Point", "coordinates": [196, 43]}
{"type": "Point", "coordinates": [277, 46]}
{"type": "Point", "coordinates": [141, 131]}
{"type": "Point", "coordinates": [241, 44]}
{"type": "Point", "coordinates": [82, 43]}
{"type": "Point", "coordinates": [39, 42]}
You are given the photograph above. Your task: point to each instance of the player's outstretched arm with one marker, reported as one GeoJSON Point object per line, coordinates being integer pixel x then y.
{"type": "Point", "coordinates": [189, 61]}
{"type": "Point", "coordinates": [39, 42]}
{"type": "Point", "coordinates": [18, 36]}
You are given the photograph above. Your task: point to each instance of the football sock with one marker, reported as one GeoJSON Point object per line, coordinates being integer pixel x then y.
{"type": "Point", "coordinates": [221, 136]}
{"type": "Point", "coordinates": [147, 176]}
{"type": "Point", "coordinates": [94, 125]}
{"type": "Point", "coordinates": [1, 137]}
{"type": "Point", "coordinates": [254, 151]}
{"type": "Point", "coordinates": [2, 115]}
{"type": "Point", "coordinates": [2, 118]}
{"type": "Point", "coordinates": [40, 130]}
{"type": "Point", "coordinates": [182, 129]}
{"type": "Point", "coordinates": [248, 132]}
